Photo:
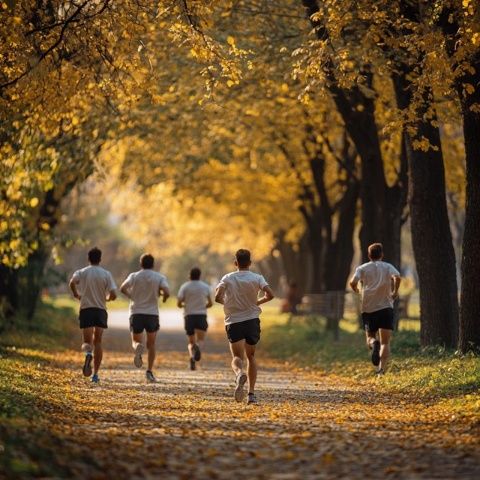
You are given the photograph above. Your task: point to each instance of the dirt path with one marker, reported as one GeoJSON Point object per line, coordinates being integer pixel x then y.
{"type": "Point", "coordinates": [188, 425]}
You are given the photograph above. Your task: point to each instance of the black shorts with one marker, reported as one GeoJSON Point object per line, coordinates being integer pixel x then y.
{"type": "Point", "coordinates": [248, 330]}
{"type": "Point", "coordinates": [195, 322]}
{"type": "Point", "coordinates": [93, 317]}
{"type": "Point", "coordinates": [379, 319]}
{"type": "Point", "coordinates": [141, 321]}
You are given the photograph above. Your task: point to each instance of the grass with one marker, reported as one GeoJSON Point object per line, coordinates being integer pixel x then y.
{"type": "Point", "coordinates": [434, 374]}
{"type": "Point", "coordinates": [29, 388]}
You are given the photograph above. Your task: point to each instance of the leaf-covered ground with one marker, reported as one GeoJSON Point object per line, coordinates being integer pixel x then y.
{"type": "Point", "coordinates": [307, 425]}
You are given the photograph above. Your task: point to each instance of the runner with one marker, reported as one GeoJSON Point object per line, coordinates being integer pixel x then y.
{"type": "Point", "coordinates": [93, 286]}
{"type": "Point", "coordinates": [194, 297]}
{"type": "Point", "coordinates": [238, 292]}
{"type": "Point", "coordinates": [380, 282]}
{"type": "Point", "coordinates": [143, 288]}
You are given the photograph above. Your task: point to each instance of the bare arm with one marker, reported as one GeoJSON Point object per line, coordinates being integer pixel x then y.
{"type": "Point", "coordinates": [354, 284]}
{"type": "Point", "coordinates": [112, 295]}
{"type": "Point", "coordinates": [219, 293]}
{"type": "Point", "coordinates": [267, 295]}
{"type": "Point", "coordinates": [125, 290]}
{"type": "Point", "coordinates": [396, 284]}
{"type": "Point", "coordinates": [165, 292]}
{"type": "Point", "coordinates": [73, 288]}
{"type": "Point", "coordinates": [209, 302]}
{"type": "Point", "coordinates": [180, 303]}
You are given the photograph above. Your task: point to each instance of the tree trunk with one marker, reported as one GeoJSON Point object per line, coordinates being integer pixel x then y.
{"type": "Point", "coordinates": [469, 326]}
{"type": "Point", "coordinates": [8, 292]}
{"type": "Point", "coordinates": [469, 334]}
{"type": "Point", "coordinates": [358, 113]}
{"type": "Point", "coordinates": [31, 281]}
{"type": "Point", "coordinates": [431, 235]}
{"type": "Point", "coordinates": [340, 255]}
{"type": "Point", "coordinates": [296, 262]}
{"type": "Point", "coordinates": [271, 268]}
{"type": "Point", "coordinates": [363, 131]}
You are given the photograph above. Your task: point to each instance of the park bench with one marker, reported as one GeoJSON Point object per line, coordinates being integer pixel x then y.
{"type": "Point", "coordinates": [327, 304]}
{"type": "Point", "coordinates": [336, 305]}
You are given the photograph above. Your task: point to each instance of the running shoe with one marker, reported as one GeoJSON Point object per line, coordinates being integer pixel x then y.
{"type": "Point", "coordinates": [137, 359]}
{"type": "Point", "coordinates": [380, 372]}
{"type": "Point", "coordinates": [192, 364]}
{"type": "Point", "coordinates": [197, 354]}
{"type": "Point", "coordinates": [239, 384]}
{"type": "Point", "coordinates": [87, 366]}
{"type": "Point", "coordinates": [252, 399]}
{"type": "Point", "coordinates": [376, 353]}
{"type": "Point", "coordinates": [95, 378]}
{"type": "Point", "coordinates": [150, 377]}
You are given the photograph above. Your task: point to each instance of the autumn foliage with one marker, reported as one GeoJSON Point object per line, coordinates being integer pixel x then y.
{"type": "Point", "coordinates": [293, 127]}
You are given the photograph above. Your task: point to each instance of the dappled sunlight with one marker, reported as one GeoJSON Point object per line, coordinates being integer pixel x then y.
{"type": "Point", "coordinates": [188, 422]}
{"type": "Point", "coordinates": [333, 145]}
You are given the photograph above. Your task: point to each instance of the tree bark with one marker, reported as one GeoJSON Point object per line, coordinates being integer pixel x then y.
{"type": "Point", "coordinates": [296, 262]}
{"type": "Point", "coordinates": [358, 113]}
{"type": "Point", "coordinates": [31, 281]}
{"type": "Point", "coordinates": [469, 334]}
{"type": "Point", "coordinates": [469, 325]}
{"type": "Point", "coordinates": [8, 292]}
{"type": "Point", "coordinates": [431, 235]}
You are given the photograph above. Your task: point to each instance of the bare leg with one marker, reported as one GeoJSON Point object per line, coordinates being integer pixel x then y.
{"type": "Point", "coordinates": [97, 349]}
{"type": "Point", "coordinates": [87, 345]}
{"type": "Point", "coordinates": [191, 343]}
{"type": "Point", "coordinates": [136, 339]}
{"type": "Point", "coordinates": [151, 336]}
{"type": "Point", "coordinates": [252, 367]}
{"type": "Point", "coordinates": [370, 337]}
{"type": "Point", "coordinates": [200, 337]}
{"type": "Point", "coordinates": [385, 337]}
{"type": "Point", "coordinates": [238, 353]}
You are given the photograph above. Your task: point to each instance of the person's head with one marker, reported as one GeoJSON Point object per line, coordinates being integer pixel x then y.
{"type": "Point", "coordinates": [147, 261]}
{"type": "Point", "coordinates": [375, 251]}
{"type": "Point", "coordinates": [95, 256]}
{"type": "Point", "coordinates": [242, 258]}
{"type": "Point", "coordinates": [195, 273]}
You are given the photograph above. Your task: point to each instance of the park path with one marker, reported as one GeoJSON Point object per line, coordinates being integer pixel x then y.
{"type": "Point", "coordinates": [188, 426]}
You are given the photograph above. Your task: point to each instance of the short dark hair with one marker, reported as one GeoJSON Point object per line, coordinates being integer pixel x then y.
{"type": "Point", "coordinates": [95, 256]}
{"type": "Point", "coordinates": [195, 273]}
{"type": "Point", "coordinates": [242, 257]}
{"type": "Point", "coordinates": [375, 251]}
{"type": "Point", "coordinates": [147, 260]}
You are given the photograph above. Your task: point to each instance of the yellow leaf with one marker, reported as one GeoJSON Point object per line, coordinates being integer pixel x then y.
{"type": "Point", "coordinates": [34, 202]}
{"type": "Point", "coordinates": [231, 41]}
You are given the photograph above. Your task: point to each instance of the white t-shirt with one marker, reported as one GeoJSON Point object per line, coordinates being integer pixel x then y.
{"type": "Point", "coordinates": [143, 287]}
{"type": "Point", "coordinates": [376, 278]}
{"type": "Point", "coordinates": [194, 294]}
{"type": "Point", "coordinates": [94, 284]}
{"type": "Point", "coordinates": [241, 293]}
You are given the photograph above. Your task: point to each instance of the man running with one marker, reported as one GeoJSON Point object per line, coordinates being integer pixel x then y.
{"type": "Point", "coordinates": [143, 288]}
{"type": "Point", "coordinates": [93, 286]}
{"type": "Point", "coordinates": [194, 297]}
{"type": "Point", "coordinates": [380, 282]}
{"type": "Point", "coordinates": [238, 292]}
